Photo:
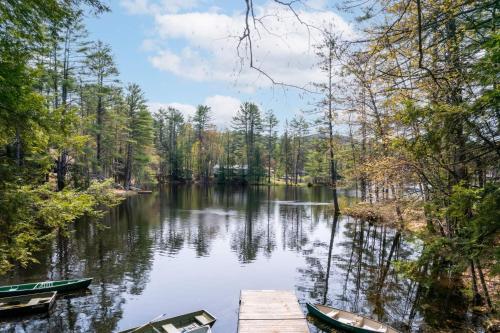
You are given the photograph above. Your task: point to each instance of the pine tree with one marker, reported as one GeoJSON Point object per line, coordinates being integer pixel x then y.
{"type": "Point", "coordinates": [270, 123]}
{"type": "Point", "coordinates": [248, 124]}
{"type": "Point", "coordinates": [326, 55]}
{"type": "Point", "coordinates": [299, 130]}
{"type": "Point", "coordinates": [201, 121]}
{"type": "Point", "coordinates": [134, 103]}
{"type": "Point", "coordinates": [102, 70]}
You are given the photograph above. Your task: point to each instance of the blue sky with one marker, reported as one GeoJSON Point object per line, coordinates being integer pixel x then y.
{"type": "Point", "coordinates": [183, 53]}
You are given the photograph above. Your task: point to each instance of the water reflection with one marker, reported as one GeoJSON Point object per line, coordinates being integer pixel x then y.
{"type": "Point", "coordinates": [189, 247]}
{"type": "Point", "coordinates": [358, 274]}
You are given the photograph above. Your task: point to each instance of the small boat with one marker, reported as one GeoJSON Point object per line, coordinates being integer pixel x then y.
{"type": "Point", "coordinates": [144, 191]}
{"type": "Point", "coordinates": [194, 322]}
{"type": "Point", "coordinates": [348, 321]}
{"type": "Point", "coordinates": [27, 304]}
{"type": "Point", "coordinates": [39, 287]}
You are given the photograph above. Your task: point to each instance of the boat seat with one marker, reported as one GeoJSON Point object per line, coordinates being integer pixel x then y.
{"type": "Point", "coordinates": [189, 327]}
{"type": "Point", "coordinates": [359, 322]}
{"type": "Point", "coordinates": [203, 329]}
{"type": "Point", "coordinates": [33, 301]}
{"type": "Point", "coordinates": [375, 329]}
{"type": "Point", "coordinates": [202, 319]}
{"type": "Point", "coordinates": [332, 314]}
{"type": "Point", "coordinates": [345, 321]}
{"type": "Point", "coordinates": [169, 328]}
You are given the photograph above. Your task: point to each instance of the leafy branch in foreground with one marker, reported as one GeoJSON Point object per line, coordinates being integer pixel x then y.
{"type": "Point", "coordinates": [32, 215]}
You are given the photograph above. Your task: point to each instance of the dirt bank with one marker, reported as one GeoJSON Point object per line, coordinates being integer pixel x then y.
{"type": "Point", "coordinates": [411, 215]}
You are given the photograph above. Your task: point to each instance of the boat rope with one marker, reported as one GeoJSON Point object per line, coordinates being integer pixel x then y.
{"type": "Point", "coordinates": [149, 323]}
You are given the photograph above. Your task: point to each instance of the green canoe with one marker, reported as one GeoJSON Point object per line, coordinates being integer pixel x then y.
{"type": "Point", "coordinates": [27, 304]}
{"type": "Point", "coordinates": [40, 287]}
{"type": "Point", "coordinates": [194, 322]}
{"type": "Point", "coordinates": [348, 321]}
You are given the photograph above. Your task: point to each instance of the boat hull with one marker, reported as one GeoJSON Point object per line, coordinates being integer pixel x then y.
{"type": "Point", "coordinates": [27, 309]}
{"type": "Point", "coordinates": [30, 288]}
{"type": "Point", "coordinates": [314, 311]}
{"type": "Point", "coordinates": [184, 321]}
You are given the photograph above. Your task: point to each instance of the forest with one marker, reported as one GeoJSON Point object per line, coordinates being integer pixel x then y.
{"type": "Point", "coordinates": [416, 99]}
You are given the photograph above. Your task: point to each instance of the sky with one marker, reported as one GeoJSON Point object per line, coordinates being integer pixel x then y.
{"type": "Point", "coordinates": [184, 53]}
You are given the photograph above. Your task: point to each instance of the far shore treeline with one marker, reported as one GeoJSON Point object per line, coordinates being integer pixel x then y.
{"type": "Point", "coordinates": [70, 132]}
{"type": "Point", "coordinates": [416, 101]}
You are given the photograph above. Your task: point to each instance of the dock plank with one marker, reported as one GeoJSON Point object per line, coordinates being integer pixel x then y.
{"type": "Point", "coordinates": [273, 326]}
{"type": "Point", "coordinates": [270, 311]}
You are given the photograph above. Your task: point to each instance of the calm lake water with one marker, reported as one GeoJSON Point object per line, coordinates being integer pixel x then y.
{"type": "Point", "coordinates": [187, 247]}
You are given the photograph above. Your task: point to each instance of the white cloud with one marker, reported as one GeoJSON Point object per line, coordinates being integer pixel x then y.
{"type": "Point", "coordinates": [223, 108]}
{"type": "Point", "coordinates": [149, 45]}
{"type": "Point", "coordinates": [178, 64]}
{"type": "Point", "coordinates": [187, 110]}
{"type": "Point", "coordinates": [153, 7]}
{"type": "Point", "coordinates": [136, 6]}
{"type": "Point", "coordinates": [284, 48]}
{"type": "Point", "coordinates": [317, 4]}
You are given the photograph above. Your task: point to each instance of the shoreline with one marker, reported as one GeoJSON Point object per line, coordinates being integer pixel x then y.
{"type": "Point", "coordinates": [123, 193]}
{"type": "Point", "coordinates": [412, 220]}
{"type": "Point", "coordinates": [410, 217]}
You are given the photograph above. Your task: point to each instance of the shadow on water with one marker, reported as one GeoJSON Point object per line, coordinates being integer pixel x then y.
{"type": "Point", "coordinates": [189, 247]}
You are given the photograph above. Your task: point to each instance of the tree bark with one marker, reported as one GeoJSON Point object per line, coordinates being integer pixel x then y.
{"type": "Point", "coordinates": [269, 153]}
{"type": "Point", "coordinates": [99, 127]}
{"type": "Point", "coordinates": [483, 284]}
{"type": "Point", "coordinates": [61, 170]}
{"type": "Point", "coordinates": [297, 163]}
{"type": "Point", "coordinates": [128, 167]}
{"type": "Point", "coordinates": [333, 172]}
{"type": "Point", "coordinates": [18, 147]}
{"type": "Point", "coordinates": [476, 297]}
{"type": "Point", "coordinates": [286, 156]}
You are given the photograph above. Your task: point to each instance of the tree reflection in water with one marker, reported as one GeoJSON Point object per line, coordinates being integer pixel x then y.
{"type": "Point", "coordinates": [189, 247]}
{"type": "Point", "coordinates": [360, 262]}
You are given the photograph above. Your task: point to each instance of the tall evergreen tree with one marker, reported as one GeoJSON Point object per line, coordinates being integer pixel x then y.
{"type": "Point", "coordinates": [270, 123]}
{"type": "Point", "coordinates": [201, 121]}
{"type": "Point", "coordinates": [248, 124]}
{"type": "Point", "coordinates": [326, 55]}
{"type": "Point", "coordinates": [138, 129]}
{"type": "Point", "coordinates": [102, 70]}
{"type": "Point", "coordinates": [299, 129]}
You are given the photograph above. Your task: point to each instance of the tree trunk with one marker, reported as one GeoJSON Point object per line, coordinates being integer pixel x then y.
{"type": "Point", "coordinates": [483, 284]}
{"type": "Point", "coordinates": [99, 127]}
{"type": "Point", "coordinates": [286, 158]}
{"type": "Point", "coordinates": [476, 297]}
{"type": "Point", "coordinates": [353, 151]}
{"type": "Point", "coordinates": [333, 173]}
{"type": "Point", "coordinates": [18, 147]}
{"type": "Point", "coordinates": [269, 152]}
{"type": "Point", "coordinates": [363, 182]}
{"type": "Point", "coordinates": [128, 167]}
{"type": "Point", "coordinates": [100, 112]}
{"type": "Point", "coordinates": [62, 161]}
{"type": "Point", "coordinates": [297, 164]}
{"type": "Point", "coordinates": [61, 170]}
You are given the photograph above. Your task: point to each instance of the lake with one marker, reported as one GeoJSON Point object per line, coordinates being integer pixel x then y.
{"type": "Point", "coordinates": [185, 248]}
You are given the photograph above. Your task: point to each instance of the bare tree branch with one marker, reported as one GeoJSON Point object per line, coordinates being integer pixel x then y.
{"type": "Point", "coordinates": [246, 39]}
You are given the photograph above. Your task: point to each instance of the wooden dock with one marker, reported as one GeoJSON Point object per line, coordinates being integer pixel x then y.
{"type": "Point", "coordinates": [270, 311]}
